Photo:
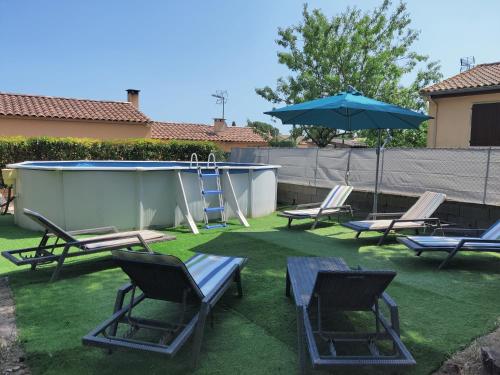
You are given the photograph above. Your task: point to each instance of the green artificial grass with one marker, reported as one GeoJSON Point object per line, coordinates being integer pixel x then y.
{"type": "Point", "coordinates": [440, 311]}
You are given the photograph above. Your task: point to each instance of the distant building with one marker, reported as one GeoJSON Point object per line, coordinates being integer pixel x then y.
{"type": "Point", "coordinates": [335, 143]}
{"type": "Point", "coordinates": [35, 115]}
{"type": "Point", "coordinates": [347, 143]}
{"type": "Point", "coordinates": [466, 109]}
{"type": "Point", "coordinates": [224, 136]}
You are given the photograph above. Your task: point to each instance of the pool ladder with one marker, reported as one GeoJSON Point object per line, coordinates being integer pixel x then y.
{"type": "Point", "coordinates": [211, 172]}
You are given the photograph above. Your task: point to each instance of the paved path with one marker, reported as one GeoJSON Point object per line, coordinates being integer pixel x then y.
{"type": "Point", "coordinates": [12, 358]}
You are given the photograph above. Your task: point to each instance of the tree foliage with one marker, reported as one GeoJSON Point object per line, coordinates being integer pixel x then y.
{"type": "Point", "coordinates": [265, 130]}
{"type": "Point", "coordinates": [371, 51]}
{"type": "Point", "coordinates": [270, 134]}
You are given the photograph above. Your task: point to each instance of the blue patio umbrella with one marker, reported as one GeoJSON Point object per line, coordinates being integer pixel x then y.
{"type": "Point", "coordinates": [351, 111]}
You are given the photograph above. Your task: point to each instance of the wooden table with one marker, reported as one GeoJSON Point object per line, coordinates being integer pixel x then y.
{"type": "Point", "coordinates": [300, 278]}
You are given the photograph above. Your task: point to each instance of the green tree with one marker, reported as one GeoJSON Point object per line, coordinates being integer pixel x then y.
{"type": "Point", "coordinates": [271, 134]}
{"type": "Point", "coordinates": [370, 51]}
{"type": "Point", "coordinates": [295, 133]}
{"type": "Point", "coordinates": [265, 130]}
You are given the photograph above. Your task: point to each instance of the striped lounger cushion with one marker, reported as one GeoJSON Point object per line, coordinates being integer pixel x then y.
{"type": "Point", "coordinates": [423, 208]}
{"type": "Point", "coordinates": [208, 270]}
{"type": "Point", "coordinates": [383, 224]}
{"type": "Point", "coordinates": [335, 198]}
{"type": "Point", "coordinates": [448, 242]}
{"type": "Point", "coordinates": [493, 233]}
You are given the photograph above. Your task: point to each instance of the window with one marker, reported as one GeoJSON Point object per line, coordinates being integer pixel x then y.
{"type": "Point", "coordinates": [485, 125]}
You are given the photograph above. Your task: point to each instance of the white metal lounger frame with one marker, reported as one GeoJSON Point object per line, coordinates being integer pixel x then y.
{"type": "Point", "coordinates": [324, 208]}
{"type": "Point", "coordinates": [465, 244]}
{"type": "Point", "coordinates": [413, 215]}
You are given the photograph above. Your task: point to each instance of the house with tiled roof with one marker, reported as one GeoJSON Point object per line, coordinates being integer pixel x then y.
{"type": "Point", "coordinates": [465, 109]}
{"type": "Point", "coordinates": [220, 133]}
{"type": "Point", "coordinates": [36, 115]}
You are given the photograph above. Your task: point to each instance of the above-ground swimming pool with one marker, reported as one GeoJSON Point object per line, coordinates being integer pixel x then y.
{"type": "Point", "coordinates": [135, 194]}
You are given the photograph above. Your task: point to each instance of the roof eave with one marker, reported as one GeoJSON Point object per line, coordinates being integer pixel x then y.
{"type": "Point", "coordinates": [469, 90]}
{"type": "Point", "coordinates": [51, 118]}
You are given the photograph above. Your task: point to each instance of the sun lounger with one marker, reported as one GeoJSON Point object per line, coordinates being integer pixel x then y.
{"type": "Point", "coordinates": [57, 244]}
{"type": "Point", "coordinates": [417, 217]}
{"type": "Point", "coordinates": [324, 289]}
{"type": "Point", "coordinates": [488, 242]}
{"type": "Point", "coordinates": [334, 203]}
{"type": "Point", "coordinates": [196, 286]}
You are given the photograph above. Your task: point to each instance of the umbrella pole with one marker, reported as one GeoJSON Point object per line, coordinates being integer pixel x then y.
{"type": "Point", "coordinates": [375, 195]}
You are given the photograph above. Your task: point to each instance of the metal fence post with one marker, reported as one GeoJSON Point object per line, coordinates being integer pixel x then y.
{"type": "Point", "coordinates": [348, 167]}
{"type": "Point", "coordinates": [316, 168]}
{"type": "Point", "coordinates": [486, 177]}
{"type": "Point", "coordinates": [381, 175]}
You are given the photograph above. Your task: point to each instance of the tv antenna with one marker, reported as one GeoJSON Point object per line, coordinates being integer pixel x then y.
{"type": "Point", "coordinates": [221, 96]}
{"type": "Point", "coordinates": [467, 63]}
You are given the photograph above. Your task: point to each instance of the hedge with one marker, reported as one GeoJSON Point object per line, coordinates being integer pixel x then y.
{"type": "Point", "coordinates": [18, 149]}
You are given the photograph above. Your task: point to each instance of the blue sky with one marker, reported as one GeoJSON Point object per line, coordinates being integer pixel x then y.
{"type": "Point", "coordinates": [179, 52]}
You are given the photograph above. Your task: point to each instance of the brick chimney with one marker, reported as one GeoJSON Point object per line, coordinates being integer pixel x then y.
{"type": "Point", "coordinates": [133, 97]}
{"type": "Point", "coordinates": [219, 125]}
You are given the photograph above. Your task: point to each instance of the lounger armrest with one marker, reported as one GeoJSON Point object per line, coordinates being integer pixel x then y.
{"type": "Point", "coordinates": [384, 214]}
{"type": "Point", "coordinates": [344, 207]}
{"type": "Point", "coordinates": [120, 296]}
{"type": "Point", "coordinates": [476, 231]}
{"type": "Point", "coordinates": [317, 204]}
{"type": "Point", "coordinates": [298, 206]}
{"type": "Point", "coordinates": [393, 309]}
{"type": "Point", "coordinates": [125, 288]}
{"type": "Point", "coordinates": [473, 241]}
{"type": "Point", "coordinates": [429, 219]}
{"type": "Point", "coordinates": [94, 231]}
{"type": "Point", "coordinates": [388, 300]}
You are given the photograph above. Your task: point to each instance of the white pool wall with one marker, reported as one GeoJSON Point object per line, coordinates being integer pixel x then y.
{"type": "Point", "coordinates": [131, 199]}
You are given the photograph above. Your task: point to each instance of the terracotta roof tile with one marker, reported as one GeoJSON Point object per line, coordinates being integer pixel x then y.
{"type": "Point", "coordinates": [202, 132]}
{"type": "Point", "coordinates": [481, 76]}
{"type": "Point", "coordinates": [66, 108]}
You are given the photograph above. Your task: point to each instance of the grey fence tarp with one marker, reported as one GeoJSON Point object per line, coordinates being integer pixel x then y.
{"type": "Point", "coordinates": [466, 175]}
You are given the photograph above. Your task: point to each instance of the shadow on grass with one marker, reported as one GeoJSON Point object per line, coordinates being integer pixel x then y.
{"type": "Point", "coordinates": [73, 269]}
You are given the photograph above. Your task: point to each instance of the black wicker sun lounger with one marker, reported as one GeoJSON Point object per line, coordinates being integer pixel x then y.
{"type": "Point", "coordinates": [195, 286]}
{"type": "Point", "coordinates": [57, 244]}
{"type": "Point", "coordinates": [325, 291]}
